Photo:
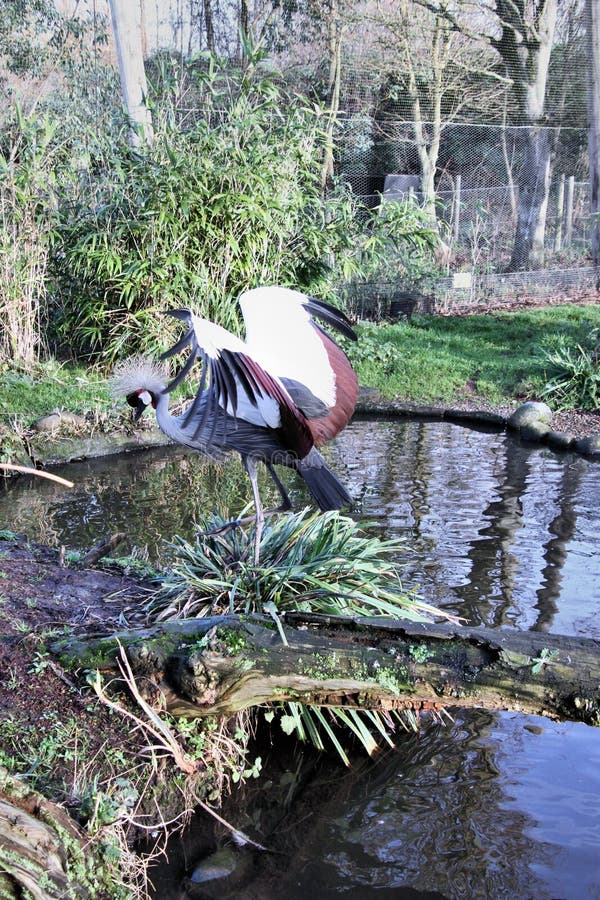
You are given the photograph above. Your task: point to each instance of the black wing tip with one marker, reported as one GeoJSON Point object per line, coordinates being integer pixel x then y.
{"type": "Point", "coordinates": [184, 314]}
{"type": "Point", "coordinates": [332, 316]}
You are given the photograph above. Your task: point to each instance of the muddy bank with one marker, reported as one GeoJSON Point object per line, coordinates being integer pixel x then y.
{"type": "Point", "coordinates": [59, 741]}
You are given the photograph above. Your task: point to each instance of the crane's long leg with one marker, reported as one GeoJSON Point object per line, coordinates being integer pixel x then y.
{"type": "Point", "coordinates": [284, 506]}
{"type": "Point", "coordinates": [251, 466]}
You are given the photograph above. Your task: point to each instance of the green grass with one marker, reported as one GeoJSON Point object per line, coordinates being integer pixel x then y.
{"type": "Point", "coordinates": [25, 396]}
{"type": "Point", "coordinates": [497, 357]}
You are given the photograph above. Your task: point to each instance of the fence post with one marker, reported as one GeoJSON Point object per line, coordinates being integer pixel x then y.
{"type": "Point", "coordinates": [569, 210]}
{"type": "Point", "coordinates": [560, 206]}
{"type": "Point", "coordinates": [456, 210]}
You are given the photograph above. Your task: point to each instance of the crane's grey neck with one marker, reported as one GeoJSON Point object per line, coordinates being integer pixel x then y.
{"type": "Point", "coordinates": [166, 422]}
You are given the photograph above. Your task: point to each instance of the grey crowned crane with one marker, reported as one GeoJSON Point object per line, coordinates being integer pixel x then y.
{"type": "Point", "coordinates": [274, 397]}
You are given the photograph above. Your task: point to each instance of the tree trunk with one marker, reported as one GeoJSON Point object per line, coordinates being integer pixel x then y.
{"type": "Point", "coordinates": [209, 26]}
{"type": "Point", "coordinates": [534, 185]}
{"type": "Point", "coordinates": [334, 52]}
{"type": "Point", "coordinates": [525, 46]}
{"type": "Point", "coordinates": [221, 665]}
{"type": "Point", "coordinates": [127, 28]}
{"type": "Point", "coordinates": [593, 35]}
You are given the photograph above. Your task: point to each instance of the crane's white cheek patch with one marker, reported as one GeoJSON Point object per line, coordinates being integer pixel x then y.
{"type": "Point", "coordinates": [145, 397]}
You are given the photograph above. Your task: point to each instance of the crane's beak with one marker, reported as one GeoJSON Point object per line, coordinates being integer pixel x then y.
{"type": "Point", "coordinates": [140, 406]}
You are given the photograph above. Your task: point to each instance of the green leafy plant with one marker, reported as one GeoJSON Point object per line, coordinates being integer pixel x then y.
{"type": "Point", "coordinates": [27, 172]}
{"type": "Point", "coordinates": [545, 658]}
{"type": "Point", "coordinates": [575, 382]}
{"type": "Point", "coordinates": [308, 561]}
{"type": "Point", "coordinates": [227, 202]}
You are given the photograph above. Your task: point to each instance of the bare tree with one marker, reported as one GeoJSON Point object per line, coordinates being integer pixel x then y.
{"type": "Point", "coordinates": [593, 42]}
{"type": "Point", "coordinates": [440, 68]}
{"type": "Point", "coordinates": [127, 27]}
{"type": "Point", "coordinates": [525, 44]}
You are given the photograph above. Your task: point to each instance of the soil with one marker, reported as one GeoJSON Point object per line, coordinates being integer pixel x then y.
{"type": "Point", "coordinates": [41, 704]}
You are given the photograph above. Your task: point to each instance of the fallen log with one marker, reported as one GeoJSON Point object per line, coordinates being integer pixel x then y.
{"type": "Point", "coordinates": [220, 665]}
{"type": "Point", "coordinates": [43, 853]}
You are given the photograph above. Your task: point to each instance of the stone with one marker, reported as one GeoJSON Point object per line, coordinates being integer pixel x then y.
{"type": "Point", "coordinates": [534, 431]}
{"type": "Point", "coordinates": [589, 446]}
{"type": "Point", "coordinates": [368, 394]}
{"type": "Point", "coordinates": [56, 419]}
{"type": "Point", "coordinates": [530, 413]}
{"type": "Point", "coordinates": [220, 864]}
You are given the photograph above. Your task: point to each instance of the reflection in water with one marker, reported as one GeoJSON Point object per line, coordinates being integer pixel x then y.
{"type": "Point", "coordinates": [503, 534]}
{"type": "Point", "coordinates": [474, 811]}
{"type": "Point", "coordinates": [500, 533]}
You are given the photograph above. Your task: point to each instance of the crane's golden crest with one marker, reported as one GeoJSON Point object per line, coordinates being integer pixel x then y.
{"type": "Point", "coordinates": [138, 373]}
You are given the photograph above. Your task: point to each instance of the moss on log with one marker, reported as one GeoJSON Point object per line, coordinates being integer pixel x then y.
{"type": "Point", "coordinates": [43, 853]}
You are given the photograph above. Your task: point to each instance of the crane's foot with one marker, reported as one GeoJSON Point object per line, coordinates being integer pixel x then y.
{"type": "Point", "coordinates": [245, 520]}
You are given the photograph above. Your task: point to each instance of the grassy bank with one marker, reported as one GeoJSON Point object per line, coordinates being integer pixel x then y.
{"type": "Point", "coordinates": [496, 358]}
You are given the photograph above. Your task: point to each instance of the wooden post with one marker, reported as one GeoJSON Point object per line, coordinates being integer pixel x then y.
{"type": "Point", "coordinates": [569, 210]}
{"type": "Point", "coordinates": [127, 27]}
{"type": "Point", "coordinates": [560, 208]}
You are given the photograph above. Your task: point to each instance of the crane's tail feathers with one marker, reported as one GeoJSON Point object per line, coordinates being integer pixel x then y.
{"type": "Point", "coordinates": [328, 492]}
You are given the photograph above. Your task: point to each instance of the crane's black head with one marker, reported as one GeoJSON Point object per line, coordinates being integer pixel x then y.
{"type": "Point", "coordinates": [139, 400]}
{"type": "Point", "coordinates": [141, 380]}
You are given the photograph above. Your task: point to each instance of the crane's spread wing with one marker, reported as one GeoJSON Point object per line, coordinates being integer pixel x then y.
{"type": "Point", "coordinates": [232, 384]}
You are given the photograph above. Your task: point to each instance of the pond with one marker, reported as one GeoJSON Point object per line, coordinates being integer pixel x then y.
{"type": "Point", "coordinates": [502, 533]}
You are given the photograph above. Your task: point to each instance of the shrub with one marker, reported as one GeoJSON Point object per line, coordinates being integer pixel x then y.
{"type": "Point", "coordinates": [228, 202]}
{"type": "Point", "coordinates": [26, 216]}
{"type": "Point", "coordinates": [575, 383]}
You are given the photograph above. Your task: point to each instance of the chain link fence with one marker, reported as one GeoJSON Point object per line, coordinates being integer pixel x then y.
{"type": "Point", "coordinates": [479, 175]}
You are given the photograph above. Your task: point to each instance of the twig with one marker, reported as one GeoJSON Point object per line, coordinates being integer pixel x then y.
{"type": "Point", "coordinates": [239, 836]}
{"type": "Point", "coordinates": [27, 470]}
{"type": "Point", "coordinates": [102, 548]}
{"type": "Point", "coordinates": [155, 725]}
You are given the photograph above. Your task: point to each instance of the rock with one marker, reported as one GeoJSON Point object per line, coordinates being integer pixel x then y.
{"type": "Point", "coordinates": [47, 423]}
{"type": "Point", "coordinates": [589, 446]}
{"type": "Point", "coordinates": [368, 395]}
{"type": "Point", "coordinates": [559, 440]}
{"type": "Point", "coordinates": [54, 420]}
{"type": "Point", "coordinates": [220, 864]}
{"type": "Point", "coordinates": [531, 413]}
{"type": "Point", "coordinates": [534, 431]}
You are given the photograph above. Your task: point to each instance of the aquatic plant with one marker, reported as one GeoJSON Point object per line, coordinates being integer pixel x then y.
{"type": "Point", "coordinates": [308, 561]}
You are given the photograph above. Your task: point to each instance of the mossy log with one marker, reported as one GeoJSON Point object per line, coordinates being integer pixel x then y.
{"type": "Point", "coordinates": [220, 665]}
{"type": "Point", "coordinates": [43, 853]}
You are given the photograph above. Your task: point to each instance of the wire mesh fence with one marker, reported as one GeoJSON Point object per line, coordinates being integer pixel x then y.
{"type": "Point", "coordinates": [476, 195]}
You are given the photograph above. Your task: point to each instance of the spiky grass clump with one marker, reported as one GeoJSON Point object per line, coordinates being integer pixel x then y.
{"type": "Point", "coordinates": [308, 561]}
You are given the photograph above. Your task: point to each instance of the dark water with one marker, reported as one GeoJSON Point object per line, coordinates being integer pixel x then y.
{"type": "Point", "coordinates": [494, 805]}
